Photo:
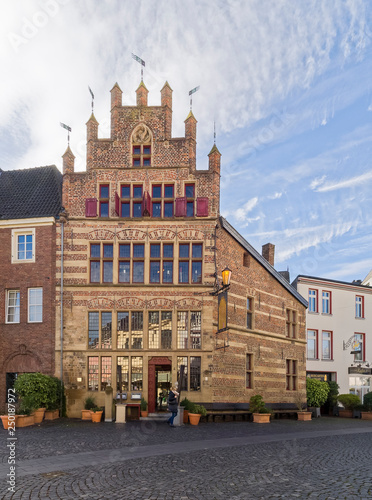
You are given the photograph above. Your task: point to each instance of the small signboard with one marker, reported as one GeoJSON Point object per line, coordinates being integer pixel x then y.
{"type": "Point", "coordinates": [360, 370]}
{"type": "Point", "coordinates": [222, 311]}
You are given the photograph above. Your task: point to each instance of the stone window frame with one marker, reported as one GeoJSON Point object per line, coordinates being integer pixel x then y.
{"type": "Point", "coordinates": [131, 200]}
{"type": "Point", "coordinates": [102, 259]}
{"type": "Point", "coordinates": [162, 199]}
{"type": "Point", "coordinates": [131, 329]}
{"type": "Point", "coordinates": [160, 329]}
{"type": "Point", "coordinates": [291, 374]}
{"type": "Point", "coordinates": [161, 260]}
{"type": "Point", "coordinates": [102, 336]}
{"type": "Point", "coordinates": [249, 367]}
{"type": "Point", "coordinates": [184, 332]}
{"type": "Point", "coordinates": [191, 260]}
{"type": "Point", "coordinates": [104, 200]}
{"type": "Point", "coordinates": [15, 245]}
{"type": "Point", "coordinates": [291, 323]}
{"type": "Point", "coordinates": [188, 372]}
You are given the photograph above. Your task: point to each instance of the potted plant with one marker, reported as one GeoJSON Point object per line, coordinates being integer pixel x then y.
{"type": "Point", "coordinates": [195, 413]}
{"type": "Point", "coordinates": [366, 414]}
{"type": "Point", "coordinates": [186, 404]}
{"type": "Point", "coordinates": [316, 392]}
{"type": "Point", "coordinates": [261, 414]}
{"type": "Point", "coordinates": [89, 404]}
{"type": "Point", "coordinates": [303, 415]}
{"type": "Point", "coordinates": [144, 412]}
{"type": "Point", "coordinates": [349, 402]}
{"type": "Point", "coordinates": [25, 417]}
{"type": "Point", "coordinates": [96, 414]}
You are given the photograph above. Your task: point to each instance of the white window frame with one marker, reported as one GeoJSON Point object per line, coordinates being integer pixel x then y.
{"type": "Point", "coordinates": [29, 320]}
{"type": "Point", "coordinates": [328, 340]}
{"type": "Point", "coordinates": [313, 300]}
{"type": "Point", "coordinates": [359, 306]}
{"type": "Point", "coordinates": [326, 302]}
{"type": "Point", "coordinates": [312, 336]}
{"type": "Point", "coordinates": [7, 307]}
{"type": "Point", "coordinates": [15, 234]}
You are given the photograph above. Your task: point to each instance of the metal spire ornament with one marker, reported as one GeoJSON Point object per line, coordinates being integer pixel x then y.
{"type": "Point", "coordinates": [191, 93]}
{"type": "Point", "coordinates": [142, 63]}
{"type": "Point", "coordinates": [68, 131]}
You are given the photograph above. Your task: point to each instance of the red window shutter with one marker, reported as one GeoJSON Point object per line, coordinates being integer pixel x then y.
{"type": "Point", "coordinates": [202, 207]}
{"type": "Point", "coordinates": [146, 204]}
{"type": "Point", "coordinates": [90, 207]}
{"type": "Point", "coordinates": [180, 207]}
{"type": "Point", "coordinates": [117, 204]}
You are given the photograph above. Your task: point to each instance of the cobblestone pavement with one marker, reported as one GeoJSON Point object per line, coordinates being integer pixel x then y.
{"type": "Point", "coordinates": [328, 458]}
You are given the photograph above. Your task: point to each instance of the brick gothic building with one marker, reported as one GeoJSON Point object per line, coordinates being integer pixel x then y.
{"type": "Point", "coordinates": [30, 201]}
{"type": "Point", "coordinates": [142, 240]}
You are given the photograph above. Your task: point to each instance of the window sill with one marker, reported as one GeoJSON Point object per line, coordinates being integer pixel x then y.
{"type": "Point", "coordinates": [357, 317]}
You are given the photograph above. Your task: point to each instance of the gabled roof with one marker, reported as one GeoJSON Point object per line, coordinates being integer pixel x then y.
{"type": "Point", "coordinates": [358, 283]}
{"type": "Point", "coordinates": [257, 256]}
{"type": "Point", "coordinates": [29, 193]}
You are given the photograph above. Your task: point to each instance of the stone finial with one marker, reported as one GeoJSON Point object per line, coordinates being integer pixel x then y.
{"type": "Point", "coordinates": [166, 95]}
{"type": "Point", "coordinates": [68, 161]}
{"type": "Point", "coordinates": [142, 94]}
{"type": "Point", "coordinates": [92, 128]}
{"type": "Point", "coordinates": [116, 96]}
{"type": "Point", "coordinates": [190, 126]}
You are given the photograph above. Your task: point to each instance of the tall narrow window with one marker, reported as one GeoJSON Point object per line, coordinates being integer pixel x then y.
{"type": "Point", "coordinates": [101, 262]}
{"type": "Point", "coordinates": [189, 329]}
{"type": "Point", "coordinates": [195, 329]}
{"type": "Point", "coordinates": [359, 347]}
{"type": "Point", "coordinates": [154, 330]}
{"type": "Point", "coordinates": [359, 306]}
{"type": "Point", "coordinates": [123, 330]}
{"type": "Point", "coordinates": [190, 260]}
{"type": "Point", "coordinates": [136, 373]}
{"type": "Point", "coordinates": [168, 200]}
{"type": "Point", "coordinates": [326, 302]}
{"type": "Point", "coordinates": [13, 306]}
{"type": "Point", "coordinates": [250, 313]}
{"type": "Point", "coordinates": [182, 360]}
{"type": "Point", "coordinates": [106, 330]}
{"type": "Point", "coordinates": [106, 372]}
{"type": "Point", "coordinates": [312, 344]}
{"type": "Point", "coordinates": [291, 375]}
{"type": "Point", "coordinates": [123, 373]}
{"type": "Point", "coordinates": [327, 345]}
{"type": "Point", "coordinates": [131, 200]}
{"type": "Point", "coordinates": [93, 373]}
{"type": "Point", "coordinates": [182, 330]}
{"type": "Point", "coordinates": [104, 195]}
{"type": "Point", "coordinates": [249, 371]}
{"type": "Point", "coordinates": [124, 263]}
{"type": "Point", "coordinates": [138, 263]}
{"type": "Point", "coordinates": [137, 329]}
{"type": "Point", "coordinates": [190, 199]}
{"type": "Point", "coordinates": [313, 301]}
{"type": "Point", "coordinates": [166, 329]}
{"type": "Point", "coordinates": [142, 155]}
{"type": "Point", "coordinates": [93, 332]}
{"type": "Point", "coordinates": [35, 305]}
{"type": "Point", "coordinates": [195, 373]}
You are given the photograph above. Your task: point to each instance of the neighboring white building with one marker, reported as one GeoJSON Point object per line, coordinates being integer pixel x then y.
{"type": "Point", "coordinates": [339, 332]}
{"type": "Point", "coordinates": [368, 279]}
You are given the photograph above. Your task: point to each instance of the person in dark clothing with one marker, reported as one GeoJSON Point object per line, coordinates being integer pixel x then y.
{"type": "Point", "coordinates": [172, 405]}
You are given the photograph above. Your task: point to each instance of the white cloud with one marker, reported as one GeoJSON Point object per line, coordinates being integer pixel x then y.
{"type": "Point", "coordinates": [241, 213]}
{"type": "Point", "coordinates": [347, 183]}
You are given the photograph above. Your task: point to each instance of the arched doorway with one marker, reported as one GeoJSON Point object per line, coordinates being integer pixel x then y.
{"type": "Point", "coordinates": [158, 369]}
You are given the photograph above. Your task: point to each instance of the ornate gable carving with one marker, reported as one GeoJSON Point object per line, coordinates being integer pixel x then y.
{"type": "Point", "coordinates": [131, 234]}
{"type": "Point", "coordinates": [188, 303]}
{"type": "Point", "coordinates": [100, 303]}
{"type": "Point", "coordinates": [141, 134]}
{"type": "Point", "coordinates": [130, 303]}
{"type": "Point", "coordinates": [101, 234]}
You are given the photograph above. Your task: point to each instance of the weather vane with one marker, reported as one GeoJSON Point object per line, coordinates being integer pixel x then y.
{"type": "Point", "coordinates": [142, 63]}
{"type": "Point", "coordinates": [68, 131]}
{"type": "Point", "coordinates": [191, 93]}
{"type": "Point", "coordinates": [91, 93]}
{"type": "Point", "coordinates": [214, 131]}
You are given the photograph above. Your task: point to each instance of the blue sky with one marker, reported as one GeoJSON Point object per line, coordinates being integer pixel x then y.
{"type": "Point", "coordinates": [288, 84]}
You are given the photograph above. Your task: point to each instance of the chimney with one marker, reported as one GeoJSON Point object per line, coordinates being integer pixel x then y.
{"type": "Point", "coordinates": [268, 252]}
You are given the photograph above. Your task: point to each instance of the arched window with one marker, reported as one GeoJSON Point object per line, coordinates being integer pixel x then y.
{"type": "Point", "coordinates": [142, 146]}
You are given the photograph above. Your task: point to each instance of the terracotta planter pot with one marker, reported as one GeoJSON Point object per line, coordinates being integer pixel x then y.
{"type": "Point", "coordinates": [39, 415]}
{"type": "Point", "coordinates": [185, 416]}
{"type": "Point", "coordinates": [144, 413]}
{"type": "Point", "coordinates": [25, 420]}
{"type": "Point", "coordinates": [304, 416]}
{"type": "Point", "coordinates": [366, 415]}
{"type": "Point", "coordinates": [261, 418]}
{"type": "Point", "coordinates": [96, 416]}
{"type": "Point", "coordinates": [194, 418]}
{"type": "Point", "coordinates": [345, 413]}
{"type": "Point", "coordinates": [8, 422]}
{"type": "Point", "coordinates": [51, 414]}
{"type": "Point", "coordinates": [86, 415]}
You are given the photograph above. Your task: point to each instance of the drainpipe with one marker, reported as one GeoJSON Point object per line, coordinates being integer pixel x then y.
{"type": "Point", "coordinates": [62, 240]}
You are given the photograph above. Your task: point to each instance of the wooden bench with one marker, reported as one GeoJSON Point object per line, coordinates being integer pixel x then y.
{"type": "Point", "coordinates": [285, 413]}
{"type": "Point", "coordinates": [211, 415]}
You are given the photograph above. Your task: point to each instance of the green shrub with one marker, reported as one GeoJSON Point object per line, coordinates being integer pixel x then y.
{"type": "Point", "coordinates": [89, 403]}
{"type": "Point", "coordinates": [257, 405]}
{"type": "Point", "coordinates": [316, 392]}
{"type": "Point", "coordinates": [186, 403]}
{"type": "Point", "coordinates": [200, 409]}
{"type": "Point", "coordinates": [349, 401]}
{"type": "Point", "coordinates": [368, 401]}
{"type": "Point", "coordinates": [36, 390]}
{"type": "Point", "coordinates": [143, 404]}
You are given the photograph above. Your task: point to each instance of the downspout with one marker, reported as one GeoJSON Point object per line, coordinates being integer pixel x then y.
{"type": "Point", "coordinates": [61, 338]}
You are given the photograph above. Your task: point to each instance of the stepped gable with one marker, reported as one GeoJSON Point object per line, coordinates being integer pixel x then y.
{"type": "Point", "coordinates": [29, 193]}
